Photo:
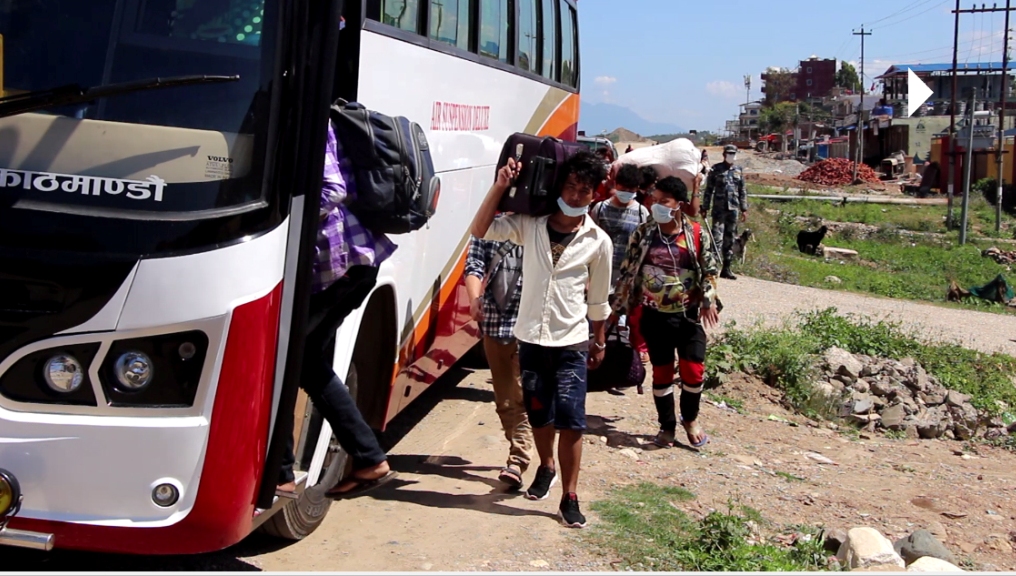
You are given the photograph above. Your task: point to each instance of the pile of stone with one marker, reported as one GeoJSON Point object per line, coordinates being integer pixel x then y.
{"type": "Point", "coordinates": [884, 394]}
{"type": "Point", "coordinates": [753, 163]}
{"type": "Point", "coordinates": [865, 549]}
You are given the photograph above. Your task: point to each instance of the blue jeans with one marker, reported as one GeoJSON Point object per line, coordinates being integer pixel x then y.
{"type": "Point", "coordinates": [554, 386]}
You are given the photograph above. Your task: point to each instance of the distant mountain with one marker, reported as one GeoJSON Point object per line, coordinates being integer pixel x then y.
{"type": "Point", "coordinates": [624, 135]}
{"type": "Point", "coordinates": [597, 118]}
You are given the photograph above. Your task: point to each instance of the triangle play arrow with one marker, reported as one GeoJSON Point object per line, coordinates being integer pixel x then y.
{"type": "Point", "coordinates": [917, 92]}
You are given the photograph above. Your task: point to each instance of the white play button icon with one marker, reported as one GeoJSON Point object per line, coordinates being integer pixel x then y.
{"type": "Point", "coordinates": [917, 92]}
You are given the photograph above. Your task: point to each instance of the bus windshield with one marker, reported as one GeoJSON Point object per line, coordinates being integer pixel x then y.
{"type": "Point", "coordinates": [150, 153]}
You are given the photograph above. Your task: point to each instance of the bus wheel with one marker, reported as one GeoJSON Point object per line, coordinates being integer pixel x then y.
{"type": "Point", "coordinates": [303, 515]}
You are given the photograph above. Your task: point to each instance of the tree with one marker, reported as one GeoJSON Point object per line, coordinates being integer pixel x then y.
{"type": "Point", "coordinates": [778, 118]}
{"type": "Point", "coordinates": [780, 85]}
{"type": "Point", "coordinates": [847, 77]}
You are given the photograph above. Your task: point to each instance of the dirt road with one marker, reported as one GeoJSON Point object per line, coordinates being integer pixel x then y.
{"type": "Point", "coordinates": [446, 511]}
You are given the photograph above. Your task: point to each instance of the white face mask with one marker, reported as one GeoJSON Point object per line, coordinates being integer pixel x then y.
{"type": "Point", "coordinates": [624, 197]}
{"type": "Point", "coordinates": [662, 214]}
{"type": "Point", "coordinates": [729, 158]}
{"type": "Point", "coordinates": [571, 211]}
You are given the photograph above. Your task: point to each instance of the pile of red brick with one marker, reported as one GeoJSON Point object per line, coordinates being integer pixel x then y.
{"type": "Point", "coordinates": [837, 171]}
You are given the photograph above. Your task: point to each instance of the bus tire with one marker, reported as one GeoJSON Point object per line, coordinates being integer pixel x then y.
{"type": "Point", "coordinates": [300, 517]}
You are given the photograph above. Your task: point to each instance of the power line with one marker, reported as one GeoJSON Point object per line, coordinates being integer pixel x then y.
{"type": "Point", "coordinates": [900, 11]}
{"type": "Point", "coordinates": [912, 16]}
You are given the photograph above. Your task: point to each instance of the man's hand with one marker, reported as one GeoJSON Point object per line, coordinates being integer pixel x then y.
{"type": "Point", "coordinates": [744, 216]}
{"type": "Point", "coordinates": [508, 173]}
{"type": "Point", "coordinates": [596, 355]}
{"type": "Point", "coordinates": [476, 309]}
{"type": "Point", "coordinates": [710, 318]}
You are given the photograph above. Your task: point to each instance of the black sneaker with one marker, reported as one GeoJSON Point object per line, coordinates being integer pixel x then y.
{"type": "Point", "coordinates": [570, 514]}
{"type": "Point", "coordinates": [540, 488]}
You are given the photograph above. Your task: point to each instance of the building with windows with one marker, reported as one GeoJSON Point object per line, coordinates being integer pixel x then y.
{"type": "Point", "coordinates": [816, 77]}
{"type": "Point", "coordinates": [748, 120]}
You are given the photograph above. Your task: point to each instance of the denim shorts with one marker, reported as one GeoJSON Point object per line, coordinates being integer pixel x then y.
{"type": "Point", "coordinates": [554, 386]}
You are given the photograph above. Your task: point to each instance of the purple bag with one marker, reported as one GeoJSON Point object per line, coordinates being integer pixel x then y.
{"type": "Point", "coordinates": [535, 190]}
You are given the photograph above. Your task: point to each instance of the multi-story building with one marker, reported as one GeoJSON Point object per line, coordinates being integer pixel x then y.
{"type": "Point", "coordinates": [813, 79]}
{"type": "Point", "coordinates": [749, 118]}
{"type": "Point", "coordinates": [816, 77]}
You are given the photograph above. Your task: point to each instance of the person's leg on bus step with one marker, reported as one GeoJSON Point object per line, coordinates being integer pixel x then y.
{"type": "Point", "coordinates": [328, 309]}
{"type": "Point", "coordinates": [502, 357]}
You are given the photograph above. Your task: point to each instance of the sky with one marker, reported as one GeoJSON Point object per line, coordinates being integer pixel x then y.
{"type": "Point", "coordinates": [683, 61]}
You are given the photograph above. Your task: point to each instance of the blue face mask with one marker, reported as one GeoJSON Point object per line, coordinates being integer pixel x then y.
{"type": "Point", "coordinates": [624, 197]}
{"type": "Point", "coordinates": [570, 211]}
{"type": "Point", "coordinates": [662, 214]}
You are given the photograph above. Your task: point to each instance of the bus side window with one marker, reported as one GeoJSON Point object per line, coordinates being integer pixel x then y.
{"type": "Point", "coordinates": [569, 69]}
{"type": "Point", "coordinates": [450, 22]}
{"type": "Point", "coordinates": [404, 14]}
{"type": "Point", "coordinates": [548, 39]}
{"type": "Point", "coordinates": [494, 26]}
{"type": "Point", "coordinates": [527, 35]}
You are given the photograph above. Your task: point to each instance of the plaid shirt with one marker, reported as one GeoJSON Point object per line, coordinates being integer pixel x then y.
{"type": "Point", "coordinates": [495, 323]}
{"type": "Point", "coordinates": [342, 241]}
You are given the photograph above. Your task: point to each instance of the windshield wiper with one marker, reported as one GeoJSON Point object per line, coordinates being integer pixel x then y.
{"type": "Point", "coordinates": [76, 94]}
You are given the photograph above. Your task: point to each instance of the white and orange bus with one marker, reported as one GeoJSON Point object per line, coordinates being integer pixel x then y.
{"type": "Point", "coordinates": [160, 169]}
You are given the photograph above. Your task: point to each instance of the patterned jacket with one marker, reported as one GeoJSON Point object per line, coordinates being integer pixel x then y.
{"type": "Point", "coordinates": [628, 294]}
{"type": "Point", "coordinates": [725, 184]}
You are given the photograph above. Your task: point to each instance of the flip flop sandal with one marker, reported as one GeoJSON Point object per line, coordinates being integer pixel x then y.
{"type": "Point", "coordinates": [512, 477]}
{"type": "Point", "coordinates": [700, 443]}
{"type": "Point", "coordinates": [361, 486]}
{"type": "Point", "coordinates": [664, 439]}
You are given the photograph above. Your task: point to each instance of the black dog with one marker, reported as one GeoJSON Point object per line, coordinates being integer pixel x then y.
{"type": "Point", "coordinates": [807, 242]}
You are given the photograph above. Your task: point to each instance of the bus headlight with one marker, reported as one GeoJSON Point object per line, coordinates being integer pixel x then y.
{"type": "Point", "coordinates": [134, 370]}
{"type": "Point", "coordinates": [10, 493]}
{"type": "Point", "coordinates": [63, 373]}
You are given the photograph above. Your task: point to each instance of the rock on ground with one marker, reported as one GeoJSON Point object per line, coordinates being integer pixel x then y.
{"type": "Point", "coordinates": [867, 547]}
{"type": "Point", "coordinates": [930, 564]}
{"type": "Point", "coordinates": [921, 544]}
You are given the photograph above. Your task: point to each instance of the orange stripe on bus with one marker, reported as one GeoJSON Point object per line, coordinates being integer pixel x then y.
{"type": "Point", "coordinates": [563, 118]}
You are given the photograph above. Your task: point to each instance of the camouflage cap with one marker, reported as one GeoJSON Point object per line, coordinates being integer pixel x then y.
{"type": "Point", "coordinates": [730, 149]}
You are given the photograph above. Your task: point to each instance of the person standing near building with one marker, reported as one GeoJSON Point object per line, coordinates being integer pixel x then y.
{"type": "Point", "coordinates": [726, 194]}
{"type": "Point", "coordinates": [494, 285]}
{"type": "Point", "coordinates": [670, 270]}
{"type": "Point", "coordinates": [567, 256]}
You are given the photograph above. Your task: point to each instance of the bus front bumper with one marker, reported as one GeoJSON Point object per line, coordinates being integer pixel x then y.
{"type": "Point", "coordinates": [26, 539]}
{"type": "Point", "coordinates": [10, 505]}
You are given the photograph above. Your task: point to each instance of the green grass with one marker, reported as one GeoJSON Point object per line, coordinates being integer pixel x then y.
{"type": "Point", "coordinates": [645, 528]}
{"type": "Point", "coordinates": [735, 404]}
{"type": "Point", "coordinates": [789, 477]}
{"type": "Point", "coordinates": [888, 264]}
{"type": "Point", "coordinates": [787, 357]}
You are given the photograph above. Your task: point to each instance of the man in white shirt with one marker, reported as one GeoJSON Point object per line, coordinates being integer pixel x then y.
{"type": "Point", "coordinates": [567, 280]}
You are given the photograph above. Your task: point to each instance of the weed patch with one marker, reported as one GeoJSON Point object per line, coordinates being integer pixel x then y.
{"type": "Point", "coordinates": [644, 526]}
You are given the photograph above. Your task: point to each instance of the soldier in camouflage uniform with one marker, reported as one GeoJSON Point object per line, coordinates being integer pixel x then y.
{"type": "Point", "coordinates": [726, 195]}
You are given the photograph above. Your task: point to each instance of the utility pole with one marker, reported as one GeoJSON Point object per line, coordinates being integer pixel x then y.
{"type": "Point", "coordinates": [1001, 120]}
{"type": "Point", "coordinates": [747, 100]}
{"type": "Point", "coordinates": [860, 110]}
{"type": "Point", "coordinates": [967, 166]}
{"type": "Point", "coordinates": [950, 172]}
{"type": "Point", "coordinates": [1000, 149]}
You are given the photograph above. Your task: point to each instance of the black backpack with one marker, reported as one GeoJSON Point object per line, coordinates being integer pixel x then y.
{"type": "Point", "coordinates": [396, 188]}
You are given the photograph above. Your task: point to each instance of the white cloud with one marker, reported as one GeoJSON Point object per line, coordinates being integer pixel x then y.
{"type": "Point", "coordinates": [605, 80]}
{"type": "Point", "coordinates": [724, 89]}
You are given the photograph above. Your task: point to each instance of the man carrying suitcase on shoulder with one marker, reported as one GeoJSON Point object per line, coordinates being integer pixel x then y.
{"type": "Point", "coordinates": [565, 253]}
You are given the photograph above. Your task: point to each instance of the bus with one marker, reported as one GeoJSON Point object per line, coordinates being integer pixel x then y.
{"type": "Point", "coordinates": [160, 173]}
